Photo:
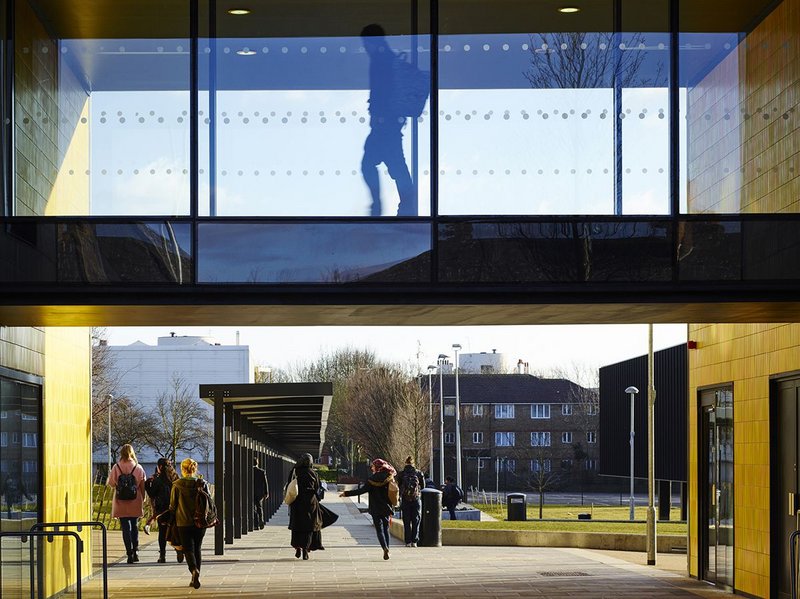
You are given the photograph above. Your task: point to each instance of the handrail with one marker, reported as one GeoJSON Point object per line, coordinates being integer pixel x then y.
{"type": "Point", "coordinates": [79, 526]}
{"type": "Point", "coordinates": [48, 534]}
{"type": "Point", "coordinates": [793, 562]}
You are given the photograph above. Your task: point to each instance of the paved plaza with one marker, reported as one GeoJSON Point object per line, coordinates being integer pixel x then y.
{"type": "Point", "coordinates": [263, 565]}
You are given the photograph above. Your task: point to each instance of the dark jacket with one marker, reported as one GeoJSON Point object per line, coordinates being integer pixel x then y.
{"type": "Point", "coordinates": [402, 477]}
{"type": "Point", "coordinates": [260, 484]}
{"type": "Point", "coordinates": [377, 487]}
{"type": "Point", "coordinates": [304, 513]}
{"type": "Point", "coordinates": [183, 500]}
{"type": "Point", "coordinates": [451, 495]}
{"type": "Point", "coordinates": [158, 488]}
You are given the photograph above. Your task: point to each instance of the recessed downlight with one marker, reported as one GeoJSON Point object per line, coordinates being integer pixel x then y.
{"type": "Point", "coordinates": [239, 11]}
{"type": "Point", "coordinates": [569, 9]}
{"type": "Point", "coordinates": [245, 52]}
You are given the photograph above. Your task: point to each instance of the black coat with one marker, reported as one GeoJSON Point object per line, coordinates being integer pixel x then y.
{"type": "Point", "coordinates": [377, 487]}
{"type": "Point", "coordinates": [304, 512]}
{"type": "Point", "coordinates": [260, 484]}
{"type": "Point", "coordinates": [158, 488]}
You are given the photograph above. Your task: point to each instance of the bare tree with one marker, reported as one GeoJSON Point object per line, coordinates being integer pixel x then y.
{"type": "Point", "coordinates": [535, 471]}
{"type": "Point", "coordinates": [130, 424]}
{"type": "Point", "coordinates": [180, 421]}
{"type": "Point", "coordinates": [271, 374]}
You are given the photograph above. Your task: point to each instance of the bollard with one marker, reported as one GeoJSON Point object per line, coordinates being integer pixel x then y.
{"type": "Point", "coordinates": [430, 527]}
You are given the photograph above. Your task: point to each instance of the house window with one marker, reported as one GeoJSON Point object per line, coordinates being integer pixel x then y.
{"type": "Point", "coordinates": [29, 439]}
{"type": "Point", "coordinates": [566, 409]}
{"type": "Point", "coordinates": [508, 465]}
{"type": "Point", "coordinates": [592, 409]}
{"type": "Point", "coordinates": [28, 416]}
{"type": "Point", "coordinates": [14, 438]}
{"type": "Point", "coordinates": [29, 466]}
{"type": "Point", "coordinates": [449, 438]}
{"type": "Point", "coordinates": [591, 437]}
{"type": "Point", "coordinates": [504, 410]}
{"type": "Point", "coordinates": [540, 465]}
{"type": "Point", "coordinates": [504, 439]}
{"type": "Point", "coordinates": [540, 410]}
{"type": "Point", "coordinates": [449, 410]}
{"type": "Point", "coordinates": [540, 439]}
{"type": "Point", "coordinates": [4, 439]}
{"type": "Point", "coordinates": [477, 409]}
{"type": "Point", "coordinates": [477, 438]}
{"type": "Point", "coordinates": [566, 437]}
{"type": "Point", "coordinates": [591, 464]}
{"type": "Point", "coordinates": [3, 413]}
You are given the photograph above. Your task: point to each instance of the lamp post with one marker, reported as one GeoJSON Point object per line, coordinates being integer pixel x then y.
{"type": "Point", "coordinates": [430, 412]}
{"type": "Point", "coordinates": [651, 433]}
{"type": "Point", "coordinates": [108, 417]}
{"type": "Point", "coordinates": [457, 347]}
{"type": "Point", "coordinates": [440, 361]}
{"type": "Point", "coordinates": [632, 391]}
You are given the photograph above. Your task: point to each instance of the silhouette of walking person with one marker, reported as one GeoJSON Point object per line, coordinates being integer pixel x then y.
{"type": "Point", "coordinates": [384, 143]}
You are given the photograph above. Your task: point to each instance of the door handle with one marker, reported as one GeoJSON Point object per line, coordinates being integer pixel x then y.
{"type": "Point", "coordinates": [792, 504]}
{"type": "Point", "coordinates": [713, 494]}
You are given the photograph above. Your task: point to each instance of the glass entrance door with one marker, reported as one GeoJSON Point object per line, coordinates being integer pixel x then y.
{"type": "Point", "coordinates": [717, 486]}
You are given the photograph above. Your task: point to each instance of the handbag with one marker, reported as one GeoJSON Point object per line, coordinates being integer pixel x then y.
{"type": "Point", "coordinates": [291, 492]}
{"type": "Point", "coordinates": [320, 493]}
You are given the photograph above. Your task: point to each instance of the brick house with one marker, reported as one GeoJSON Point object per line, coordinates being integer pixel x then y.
{"type": "Point", "coordinates": [521, 430]}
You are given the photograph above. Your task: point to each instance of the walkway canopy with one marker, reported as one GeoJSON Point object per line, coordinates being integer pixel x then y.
{"type": "Point", "coordinates": [274, 423]}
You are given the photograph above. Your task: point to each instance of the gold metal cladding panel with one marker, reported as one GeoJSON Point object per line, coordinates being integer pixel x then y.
{"type": "Point", "coordinates": [22, 348]}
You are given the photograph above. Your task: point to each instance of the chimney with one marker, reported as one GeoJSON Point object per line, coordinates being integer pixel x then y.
{"type": "Point", "coordinates": [520, 366]}
{"type": "Point", "coordinates": [237, 337]}
{"type": "Point", "coordinates": [172, 333]}
{"type": "Point", "coordinates": [527, 369]}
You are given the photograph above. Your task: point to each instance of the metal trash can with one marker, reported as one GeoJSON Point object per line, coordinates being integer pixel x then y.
{"type": "Point", "coordinates": [517, 507]}
{"type": "Point", "coordinates": [430, 527]}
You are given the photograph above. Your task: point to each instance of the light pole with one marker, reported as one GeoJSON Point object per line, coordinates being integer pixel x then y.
{"type": "Point", "coordinates": [651, 434]}
{"type": "Point", "coordinates": [457, 347]}
{"type": "Point", "coordinates": [108, 417]}
{"type": "Point", "coordinates": [430, 412]}
{"type": "Point", "coordinates": [440, 361]}
{"type": "Point", "coordinates": [632, 391]}
{"type": "Point", "coordinates": [480, 467]}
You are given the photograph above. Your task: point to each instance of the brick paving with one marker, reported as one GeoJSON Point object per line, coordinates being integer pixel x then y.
{"type": "Point", "coordinates": [262, 564]}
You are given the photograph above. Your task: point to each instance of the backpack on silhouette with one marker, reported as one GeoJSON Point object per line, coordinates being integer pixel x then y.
{"type": "Point", "coordinates": [205, 510]}
{"type": "Point", "coordinates": [126, 484]}
{"type": "Point", "coordinates": [409, 484]}
{"type": "Point", "coordinates": [410, 86]}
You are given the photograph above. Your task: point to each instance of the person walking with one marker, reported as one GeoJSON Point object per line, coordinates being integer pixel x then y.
{"type": "Point", "coordinates": [411, 482]}
{"type": "Point", "coordinates": [159, 490]}
{"type": "Point", "coordinates": [127, 479]}
{"type": "Point", "coordinates": [381, 507]}
{"type": "Point", "coordinates": [182, 504]}
{"type": "Point", "coordinates": [260, 493]}
{"type": "Point", "coordinates": [305, 517]}
{"type": "Point", "coordinates": [451, 496]}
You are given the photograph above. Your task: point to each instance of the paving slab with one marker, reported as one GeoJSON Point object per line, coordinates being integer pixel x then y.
{"type": "Point", "coordinates": [262, 564]}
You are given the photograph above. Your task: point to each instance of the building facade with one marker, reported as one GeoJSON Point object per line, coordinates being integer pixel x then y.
{"type": "Point", "coordinates": [519, 432]}
{"type": "Point", "coordinates": [175, 368]}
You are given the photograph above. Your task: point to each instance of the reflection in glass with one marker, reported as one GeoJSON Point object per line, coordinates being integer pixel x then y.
{"type": "Point", "coordinates": [286, 114]}
{"type": "Point", "coordinates": [736, 70]}
{"type": "Point", "coordinates": [313, 253]}
{"type": "Point", "coordinates": [555, 251]}
{"type": "Point", "coordinates": [101, 108]}
{"type": "Point", "coordinates": [19, 452]}
{"type": "Point", "coordinates": [157, 252]}
{"type": "Point", "coordinates": [710, 251]}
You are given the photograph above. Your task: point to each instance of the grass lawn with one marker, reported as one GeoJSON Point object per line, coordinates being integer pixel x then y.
{"type": "Point", "coordinates": [555, 515]}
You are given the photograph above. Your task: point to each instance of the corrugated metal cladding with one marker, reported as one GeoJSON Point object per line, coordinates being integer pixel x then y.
{"type": "Point", "coordinates": [671, 382]}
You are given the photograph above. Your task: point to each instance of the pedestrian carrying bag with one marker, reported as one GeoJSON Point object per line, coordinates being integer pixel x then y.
{"type": "Point", "coordinates": [126, 484]}
{"type": "Point", "coordinates": [205, 511]}
{"type": "Point", "coordinates": [411, 87]}
{"type": "Point", "coordinates": [394, 492]}
{"type": "Point", "coordinates": [291, 492]}
{"type": "Point", "coordinates": [410, 485]}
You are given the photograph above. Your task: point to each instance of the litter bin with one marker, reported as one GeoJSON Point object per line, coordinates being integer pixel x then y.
{"type": "Point", "coordinates": [517, 507]}
{"type": "Point", "coordinates": [430, 527]}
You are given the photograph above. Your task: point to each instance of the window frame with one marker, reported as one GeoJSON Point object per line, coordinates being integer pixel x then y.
{"type": "Point", "coordinates": [502, 411]}
{"type": "Point", "coordinates": [545, 409]}
{"type": "Point", "coordinates": [509, 435]}
{"type": "Point", "coordinates": [566, 437]}
{"type": "Point", "coordinates": [477, 438]}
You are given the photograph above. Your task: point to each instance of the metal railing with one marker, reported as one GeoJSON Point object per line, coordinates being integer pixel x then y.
{"type": "Point", "coordinates": [79, 525]}
{"type": "Point", "coordinates": [49, 536]}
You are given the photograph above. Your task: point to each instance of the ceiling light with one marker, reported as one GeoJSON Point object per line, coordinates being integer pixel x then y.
{"type": "Point", "coordinates": [245, 52]}
{"type": "Point", "coordinates": [239, 11]}
{"type": "Point", "coordinates": [569, 9]}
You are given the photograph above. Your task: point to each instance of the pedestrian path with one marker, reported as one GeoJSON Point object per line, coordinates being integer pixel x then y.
{"type": "Point", "coordinates": [262, 564]}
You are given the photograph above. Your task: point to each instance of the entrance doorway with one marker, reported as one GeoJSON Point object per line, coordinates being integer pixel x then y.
{"type": "Point", "coordinates": [785, 456]}
{"type": "Point", "coordinates": [716, 490]}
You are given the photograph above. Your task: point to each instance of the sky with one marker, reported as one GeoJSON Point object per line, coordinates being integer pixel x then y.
{"type": "Point", "coordinates": [544, 347]}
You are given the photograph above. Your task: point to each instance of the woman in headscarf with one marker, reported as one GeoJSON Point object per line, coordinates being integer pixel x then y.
{"type": "Point", "coordinates": [381, 507]}
{"type": "Point", "coordinates": [305, 518]}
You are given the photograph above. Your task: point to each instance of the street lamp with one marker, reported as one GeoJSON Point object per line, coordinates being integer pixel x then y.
{"type": "Point", "coordinates": [108, 417]}
{"type": "Point", "coordinates": [632, 391]}
{"type": "Point", "coordinates": [457, 347]}
{"type": "Point", "coordinates": [431, 369]}
{"type": "Point", "coordinates": [440, 361]}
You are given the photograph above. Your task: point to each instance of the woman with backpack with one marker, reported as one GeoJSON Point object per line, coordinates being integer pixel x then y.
{"type": "Point", "coordinates": [305, 517]}
{"type": "Point", "coordinates": [381, 501]}
{"type": "Point", "coordinates": [411, 482]}
{"type": "Point", "coordinates": [127, 478]}
{"type": "Point", "coordinates": [159, 488]}
{"type": "Point", "coordinates": [183, 504]}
